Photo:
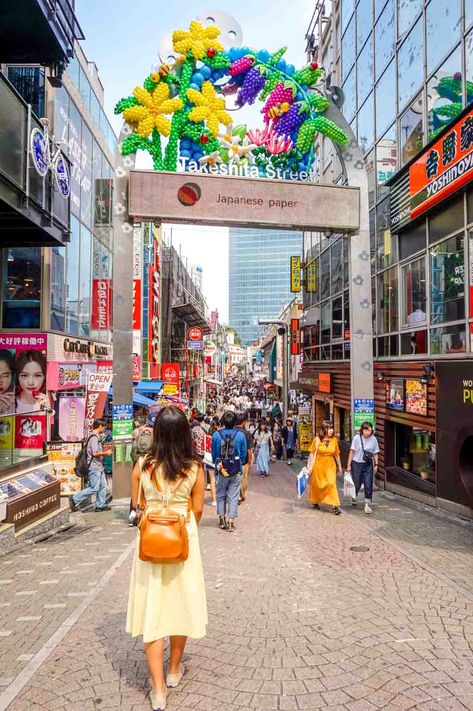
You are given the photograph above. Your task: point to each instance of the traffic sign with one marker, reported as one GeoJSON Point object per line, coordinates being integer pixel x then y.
{"type": "Point", "coordinates": [195, 334]}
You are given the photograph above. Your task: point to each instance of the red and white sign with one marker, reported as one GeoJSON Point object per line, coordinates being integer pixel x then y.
{"type": "Point", "coordinates": [101, 304]}
{"type": "Point", "coordinates": [195, 334]}
{"type": "Point", "coordinates": [170, 373]}
{"type": "Point", "coordinates": [98, 385]}
{"type": "Point", "coordinates": [136, 356]}
{"type": "Point", "coordinates": [136, 304]}
{"type": "Point", "coordinates": [137, 277]}
{"type": "Point", "coordinates": [154, 312]}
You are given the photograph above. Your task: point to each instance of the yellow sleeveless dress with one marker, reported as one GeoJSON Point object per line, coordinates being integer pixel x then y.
{"type": "Point", "coordinates": [168, 598]}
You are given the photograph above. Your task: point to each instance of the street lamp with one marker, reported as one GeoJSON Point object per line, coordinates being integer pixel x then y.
{"type": "Point", "coordinates": [282, 331]}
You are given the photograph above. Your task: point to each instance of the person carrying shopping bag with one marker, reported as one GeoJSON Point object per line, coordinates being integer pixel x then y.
{"type": "Point", "coordinates": [324, 465]}
{"type": "Point", "coordinates": [363, 463]}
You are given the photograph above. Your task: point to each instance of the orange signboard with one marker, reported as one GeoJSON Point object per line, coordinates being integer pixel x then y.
{"type": "Point", "coordinates": [443, 168]}
{"type": "Point", "coordinates": [325, 382]}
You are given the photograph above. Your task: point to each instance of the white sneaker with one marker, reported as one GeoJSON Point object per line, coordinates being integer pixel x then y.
{"type": "Point", "coordinates": [354, 501]}
{"type": "Point", "coordinates": [368, 509]}
{"type": "Point", "coordinates": [213, 503]}
{"type": "Point", "coordinates": [172, 680]}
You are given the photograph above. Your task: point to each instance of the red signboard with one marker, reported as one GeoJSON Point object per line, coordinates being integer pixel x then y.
{"type": "Point", "coordinates": [153, 309]}
{"type": "Point", "coordinates": [195, 334]}
{"type": "Point", "coordinates": [295, 337]}
{"type": "Point", "coordinates": [101, 304]}
{"type": "Point", "coordinates": [136, 304]}
{"type": "Point", "coordinates": [170, 373]}
{"type": "Point", "coordinates": [443, 168]}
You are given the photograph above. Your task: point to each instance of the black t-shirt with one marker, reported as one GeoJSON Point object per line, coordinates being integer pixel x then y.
{"type": "Point", "coordinates": [249, 442]}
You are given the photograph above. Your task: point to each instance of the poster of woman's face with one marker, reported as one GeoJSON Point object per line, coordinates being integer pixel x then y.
{"type": "Point", "coordinates": [30, 367]}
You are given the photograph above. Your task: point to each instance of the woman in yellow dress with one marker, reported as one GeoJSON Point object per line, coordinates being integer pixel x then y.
{"type": "Point", "coordinates": [324, 465]}
{"type": "Point", "coordinates": [168, 599]}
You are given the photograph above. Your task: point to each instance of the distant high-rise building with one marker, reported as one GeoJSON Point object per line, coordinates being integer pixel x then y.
{"type": "Point", "coordinates": [196, 273]}
{"type": "Point", "coordinates": [259, 277]}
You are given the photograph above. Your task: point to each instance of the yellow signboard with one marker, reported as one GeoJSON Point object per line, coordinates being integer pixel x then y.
{"type": "Point", "coordinates": [295, 274]}
{"type": "Point", "coordinates": [305, 435]}
{"type": "Point", "coordinates": [311, 277]}
{"type": "Point", "coordinates": [170, 389]}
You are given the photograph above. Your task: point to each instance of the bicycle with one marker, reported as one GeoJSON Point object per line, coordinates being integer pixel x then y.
{"type": "Point", "coordinates": [41, 143]}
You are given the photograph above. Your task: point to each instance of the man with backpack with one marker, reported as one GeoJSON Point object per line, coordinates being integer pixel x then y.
{"type": "Point", "coordinates": [93, 453]}
{"type": "Point", "coordinates": [198, 434]}
{"type": "Point", "coordinates": [142, 438]}
{"type": "Point", "coordinates": [229, 451]}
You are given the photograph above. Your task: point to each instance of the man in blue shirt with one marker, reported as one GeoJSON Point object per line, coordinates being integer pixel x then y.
{"type": "Point", "coordinates": [229, 451]}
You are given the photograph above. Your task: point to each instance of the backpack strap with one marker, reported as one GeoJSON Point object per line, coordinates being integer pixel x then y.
{"type": "Point", "coordinates": [154, 480]}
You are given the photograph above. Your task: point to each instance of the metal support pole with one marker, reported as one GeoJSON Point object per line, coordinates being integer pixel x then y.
{"type": "Point", "coordinates": [285, 374]}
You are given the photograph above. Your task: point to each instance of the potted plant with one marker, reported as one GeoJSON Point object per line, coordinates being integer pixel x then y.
{"type": "Point", "coordinates": [406, 463]}
{"type": "Point", "coordinates": [424, 471]}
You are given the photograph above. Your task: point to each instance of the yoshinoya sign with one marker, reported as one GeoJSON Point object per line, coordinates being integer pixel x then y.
{"type": "Point", "coordinates": [195, 334]}
{"type": "Point", "coordinates": [215, 199]}
{"type": "Point", "coordinates": [443, 167]}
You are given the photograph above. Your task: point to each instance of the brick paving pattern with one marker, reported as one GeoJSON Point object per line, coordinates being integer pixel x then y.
{"type": "Point", "coordinates": [297, 619]}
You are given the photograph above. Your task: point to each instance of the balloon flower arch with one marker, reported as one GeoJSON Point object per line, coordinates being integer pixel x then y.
{"type": "Point", "coordinates": [179, 115]}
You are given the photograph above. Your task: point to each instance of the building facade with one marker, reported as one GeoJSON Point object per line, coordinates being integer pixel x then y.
{"type": "Point", "coordinates": [405, 70]}
{"type": "Point", "coordinates": [259, 283]}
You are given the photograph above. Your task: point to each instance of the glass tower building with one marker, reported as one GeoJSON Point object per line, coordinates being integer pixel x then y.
{"type": "Point", "coordinates": [259, 277]}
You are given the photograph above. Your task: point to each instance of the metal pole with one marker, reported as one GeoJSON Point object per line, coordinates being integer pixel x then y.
{"type": "Point", "coordinates": [285, 374]}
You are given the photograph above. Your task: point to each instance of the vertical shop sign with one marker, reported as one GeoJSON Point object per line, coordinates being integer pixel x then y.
{"type": "Point", "coordinates": [101, 304]}
{"type": "Point", "coordinates": [363, 411]}
{"type": "Point", "coordinates": [136, 356]}
{"type": "Point", "coordinates": [71, 418]}
{"type": "Point", "coordinates": [98, 385]}
{"type": "Point", "coordinates": [295, 274]}
{"type": "Point", "coordinates": [170, 374]}
{"type": "Point", "coordinates": [311, 277]}
{"type": "Point", "coordinates": [153, 308]}
{"type": "Point", "coordinates": [137, 277]}
{"type": "Point", "coordinates": [295, 337]}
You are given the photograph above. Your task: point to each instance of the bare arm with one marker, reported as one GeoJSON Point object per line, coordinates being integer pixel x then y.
{"type": "Point", "coordinates": [198, 494]}
{"type": "Point", "coordinates": [350, 459]}
{"type": "Point", "coordinates": [339, 464]}
{"type": "Point", "coordinates": [135, 482]}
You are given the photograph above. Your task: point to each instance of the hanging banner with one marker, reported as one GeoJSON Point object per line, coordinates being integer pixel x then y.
{"type": "Point", "coordinates": [71, 418]}
{"type": "Point", "coordinates": [311, 277]}
{"type": "Point", "coordinates": [98, 385]}
{"type": "Point", "coordinates": [295, 337]}
{"type": "Point", "coordinates": [136, 356]}
{"type": "Point", "coordinates": [305, 435]}
{"type": "Point", "coordinates": [101, 319]}
{"type": "Point", "coordinates": [295, 274]}
{"type": "Point", "coordinates": [171, 373]}
{"type": "Point", "coordinates": [122, 422]}
{"type": "Point", "coordinates": [136, 304]}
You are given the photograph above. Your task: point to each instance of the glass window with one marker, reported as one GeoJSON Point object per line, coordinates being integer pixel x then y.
{"type": "Point", "coordinates": [412, 240]}
{"type": "Point", "coordinates": [348, 49]}
{"type": "Point", "coordinates": [385, 38]}
{"type": "Point", "coordinates": [364, 21]}
{"type": "Point", "coordinates": [371, 174]}
{"type": "Point", "coordinates": [86, 177]}
{"type": "Point", "coordinates": [84, 87]}
{"type": "Point", "coordinates": [469, 206]}
{"type": "Point", "coordinates": [365, 68]}
{"type": "Point", "coordinates": [366, 125]}
{"type": "Point", "coordinates": [447, 280]}
{"type": "Point", "coordinates": [346, 315]}
{"type": "Point", "coordinates": [444, 94]}
{"type": "Point", "coordinates": [414, 293]}
{"type": "Point", "coordinates": [336, 266]}
{"type": "Point", "coordinates": [468, 13]}
{"type": "Point", "coordinates": [447, 219]}
{"type": "Point", "coordinates": [85, 281]}
{"type": "Point", "coordinates": [386, 159]}
{"type": "Point", "coordinates": [29, 83]}
{"type": "Point", "coordinates": [378, 6]}
{"type": "Point", "coordinates": [385, 243]}
{"type": "Point", "coordinates": [326, 322]}
{"type": "Point", "coordinates": [61, 115]}
{"type": "Point", "coordinates": [337, 318]}
{"type": "Point", "coordinates": [386, 100]}
{"type": "Point", "coordinates": [372, 221]}
{"type": "Point", "coordinates": [443, 29]}
{"type": "Point", "coordinates": [388, 300]}
{"type": "Point", "coordinates": [415, 451]}
{"type": "Point", "coordinates": [73, 69]}
{"type": "Point", "coordinates": [448, 339]}
{"type": "Point", "coordinates": [412, 130]}
{"type": "Point", "coordinates": [388, 346]}
{"type": "Point", "coordinates": [408, 11]}
{"type": "Point", "coordinates": [414, 343]}
{"type": "Point", "coordinates": [469, 66]}
{"type": "Point", "coordinates": [410, 64]}
{"type": "Point", "coordinates": [72, 258]}
{"type": "Point", "coordinates": [325, 274]}
{"type": "Point", "coordinates": [349, 94]}
{"type": "Point", "coordinates": [58, 288]}
{"type": "Point", "coordinates": [347, 8]}
{"type": "Point", "coordinates": [75, 155]}
{"type": "Point", "coordinates": [22, 287]}
{"type": "Point", "coordinates": [95, 109]}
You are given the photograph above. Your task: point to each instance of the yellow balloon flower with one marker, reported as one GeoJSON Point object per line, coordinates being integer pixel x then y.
{"type": "Point", "coordinates": [208, 107]}
{"type": "Point", "coordinates": [197, 40]}
{"type": "Point", "coordinates": [149, 114]}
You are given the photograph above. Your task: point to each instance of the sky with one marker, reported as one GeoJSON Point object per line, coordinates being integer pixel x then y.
{"type": "Point", "coordinates": [123, 37]}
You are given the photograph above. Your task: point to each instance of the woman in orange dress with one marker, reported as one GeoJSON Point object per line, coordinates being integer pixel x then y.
{"type": "Point", "coordinates": [324, 465]}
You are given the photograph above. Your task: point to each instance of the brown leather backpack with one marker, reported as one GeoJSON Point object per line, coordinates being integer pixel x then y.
{"type": "Point", "coordinates": [163, 533]}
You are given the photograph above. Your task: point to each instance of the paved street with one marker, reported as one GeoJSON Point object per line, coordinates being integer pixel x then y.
{"type": "Point", "coordinates": [298, 620]}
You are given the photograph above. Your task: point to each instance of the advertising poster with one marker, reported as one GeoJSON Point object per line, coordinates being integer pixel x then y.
{"type": "Point", "coordinates": [170, 374]}
{"type": "Point", "coordinates": [295, 274]}
{"type": "Point", "coordinates": [71, 418]}
{"type": "Point", "coordinates": [363, 411]}
{"type": "Point", "coordinates": [305, 435]}
{"type": "Point", "coordinates": [395, 394]}
{"type": "Point", "coordinates": [98, 385]}
{"type": "Point", "coordinates": [7, 431]}
{"type": "Point", "coordinates": [101, 318]}
{"type": "Point", "coordinates": [416, 397]}
{"type": "Point", "coordinates": [62, 456]}
{"type": "Point", "coordinates": [122, 427]}
{"type": "Point", "coordinates": [137, 357]}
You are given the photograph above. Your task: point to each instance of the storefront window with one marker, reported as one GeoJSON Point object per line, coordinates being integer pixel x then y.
{"type": "Point", "coordinates": [412, 240]}
{"type": "Point", "coordinates": [469, 63]}
{"type": "Point", "coordinates": [29, 83]}
{"type": "Point", "coordinates": [348, 49]}
{"type": "Point", "coordinates": [408, 11]}
{"type": "Point", "coordinates": [447, 219]}
{"type": "Point", "coordinates": [325, 274]}
{"type": "Point", "coordinates": [410, 64]}
{"type": "Point", "coordinates": [415, 451]}
{"type": "Point", "coordinates": [366, 124]}
{"type": "Point", "coordinates": [365, 71]}
{"type": "Point", "coordinates": [444, 94]}
{"type": "Point", "coordinates": [385, 38]}
{"type": "Point", "coordinates": [337, 318]}
{"type": "Point", "coordinates": [447, 280]}
{"type": "Point", "coordinates": [337, 352]}
{"type": "Point", "coordinates": [414, 343]}
{"type": "Point", "coordinates": [326, 322]}
{"type": "Point", "coordinates": [72, 257]}
{"type": "Point", "coordinates": [58, 288]}
{"type": "Point", "coordinates": [22, 288]}
{"type": "Point", "coordinates": [364, 21]}
{"type": "Point", "coordinates": [386, 244]}
{"type": "Point", "coordinates": [448, 339]}
{"type": "Point", "coordinates": [386, 100]}
{"type": "Point", "coordinates": [443, 29]}
{"type": "Point", "coordinates": [414, 293]}
{"type": "Point", "coordinates": [388, 346]}
{"type": "Point", "coordinates": [412, 130]}
{"type": "Point", "coordinates": [388, 301]}
{"type": "Point", "coordinates": [336, 266]}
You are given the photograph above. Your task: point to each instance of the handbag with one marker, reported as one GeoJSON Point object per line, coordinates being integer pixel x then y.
{"type": "Point", "coordinates": [163, 533]}
{"type": "Point", "coordinates": [367, 456]}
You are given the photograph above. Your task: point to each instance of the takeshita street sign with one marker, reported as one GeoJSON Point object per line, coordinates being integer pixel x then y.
{"type": "Point", "coordinates": [180, 115]}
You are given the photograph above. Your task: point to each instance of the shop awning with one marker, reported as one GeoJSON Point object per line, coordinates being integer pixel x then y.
{"type": "Point", "coordinates": [149, 386]}
{"type": "Point", "coordinates": [192, 316]}
{"type": "Point", "coordinates": [143, 401]}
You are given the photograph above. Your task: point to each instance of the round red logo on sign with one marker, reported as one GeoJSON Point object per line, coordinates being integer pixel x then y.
{"type": "Point", "coordinates": [195, 334]}
{"type": "Point", "coordinates": [188, 194]}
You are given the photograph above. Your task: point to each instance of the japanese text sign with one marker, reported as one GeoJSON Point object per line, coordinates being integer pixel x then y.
{"type": "Point", "coordinates": [98, 385]}
{"type": "Point", "coordinates": [295, 337]}
{"type": "Point", "coordinates": [295, 274]}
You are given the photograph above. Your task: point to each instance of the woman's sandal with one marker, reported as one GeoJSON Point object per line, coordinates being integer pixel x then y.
{"type": "Point", "coordinates": [231, 527]}
{"type": "Point", "coordinates": [316, 507]}
{"type": "Point", "coordinates": [336, 511]}
{"type": "Point", "coordinates": [222, 522]}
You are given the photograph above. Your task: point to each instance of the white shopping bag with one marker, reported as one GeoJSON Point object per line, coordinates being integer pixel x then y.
{"type": "Point", "coordinates": [301, 482]}
{"type": "Point", "coordinates": [348, 486]}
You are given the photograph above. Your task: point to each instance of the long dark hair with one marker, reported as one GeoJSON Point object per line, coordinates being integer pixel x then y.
{"type": "Point", "coordinates": [171, 447]}
{"type": "Point", "coordinates": [324, 428]}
